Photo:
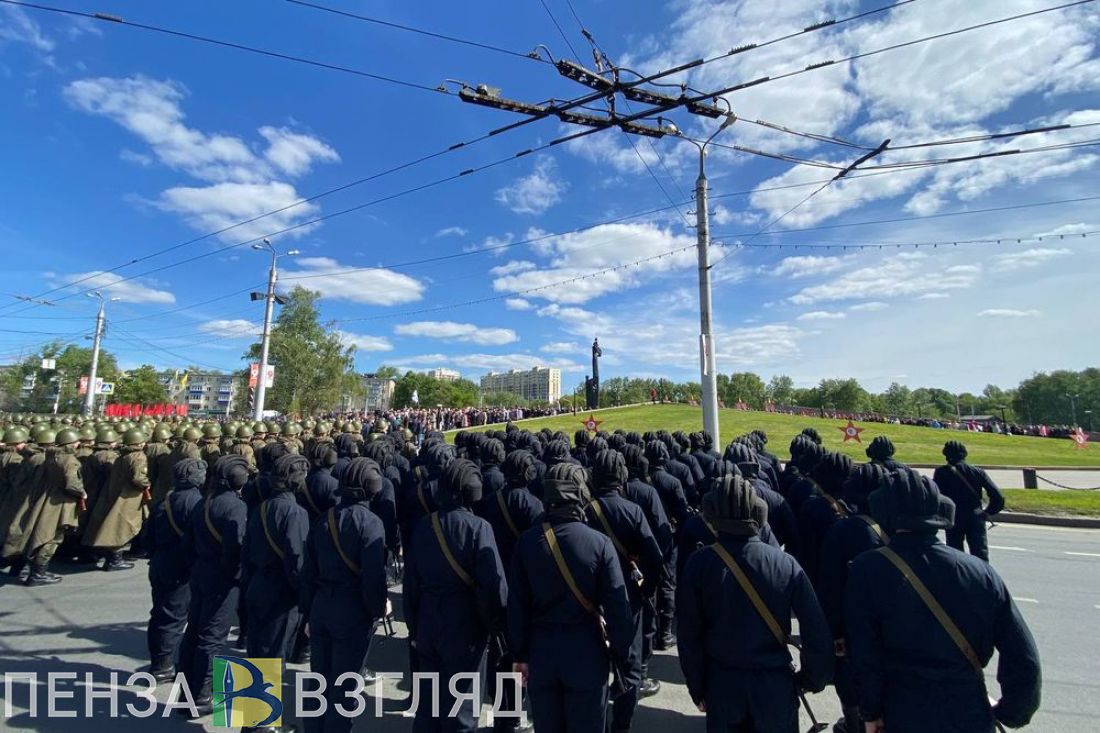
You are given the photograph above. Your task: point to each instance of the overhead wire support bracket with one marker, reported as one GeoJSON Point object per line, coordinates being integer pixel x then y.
{"type": "Point", "coordinates": [863, 159]}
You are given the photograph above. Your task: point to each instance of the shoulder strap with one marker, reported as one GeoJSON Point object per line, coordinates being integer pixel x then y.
{"type": "Point", "coordinates": [874, 527]}
{"type": "Point", "coordinates": [209, 524]}
{"type": "Point", "coordinates": [332, 529]}
{"type": "Point", "coordinates": [459, 570]}
{"type": "Point", "coordinates": [955, 470]}
{"type": "Point", "coordinates": [267, 533]}
{"type": "Point", "coordinates": [710, 528]}
{"type": "Point", "coordinates": [935, 607]}
{"type": "Point", "coordinates": [597, 507]}
{"type": "Point", "coordinates": [836, 505]}
{"type": "Point", "coordinates": [309, 498]}
{"type": "Point", "coordinates": [507, 514]}
{"type": "Point", "coordinates": [563, 568]}
{"type": "Point", "coordinates": [171, 516]}
{"type": "Point", "coordinates": [754, 597]}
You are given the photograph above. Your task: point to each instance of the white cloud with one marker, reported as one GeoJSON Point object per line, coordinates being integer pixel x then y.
{"type": "Point", "coordinates": [17, 26]}
{"type": "Point", "coordinates": [518, 304]}
{"type": "Point", "coordinates": [536, 192]}
{"type": "Point", "coordinates": [452, 331]}
{"type": "Point", "coordinates": [236, 328]}
{"type": "Point", "coordinates": [115, 286]}
{"type": "Point", "coordinates": [511, 268]}
{"type": "Point", "coordinates": [905, 274]}
{"type": "Point", "coordinates": [822, 316]}
{"type": "Point", "coordinates": [561, 347]}
{"type": "Point", "coordinates": [871, 307]}
{"type": "Point", "coordinates": [796, 267]}
{"type": "Point", "coordinates": [492, 362]}
{"type": "Point", "coordinates": [579, 254]}
{"type": "Point", "coordinates": [221, 205]}
{"type": "Point", "coordinates": [374, 286]}
{"type": "Point", "coordinates": [1027, 258]}
{"type": "Point", "coordinates": [933, 296]}
{"type": "Point", "coordinates": [242, 184]}
{"type": "Point", "coordinates": [1008, 313]}
{"type": "Point", "coordinates": [363, 342]}
{"type": "Point", "coordinates": [140, 159]}
{"type": "Point", "coordinates": [607, 150]}
{"type": "Point", "coordinates": [293, 152]}
{"type": "Point", "coordinates": [452, 232]}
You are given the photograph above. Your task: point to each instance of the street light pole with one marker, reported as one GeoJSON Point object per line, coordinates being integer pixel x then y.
{"type": "Point", "coordinates": [708, 370]}
{"type": "Point", "coordinates": [89, 394]}
{"type": "Point", "coordinates": [1073, 405]}
{"type": "Point", "coordinates": [269, 306]}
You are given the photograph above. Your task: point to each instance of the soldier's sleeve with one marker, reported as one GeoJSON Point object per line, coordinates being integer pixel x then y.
{"type": "Point", "coordinates": [253, 533]}
{"type": "Point", "coordinates": [74, 482]}
{"type": "Point", "coordinates": [864, 635]}
{"type": "Point", "coordinates": [651, 560]}
{"type": "Point", "coordinates": [308, 584]}
{"type": "Point", "coordinates": [1018, 670]}
{"type": "Point", "coordinates": [996, 498]}
{"type": "Point", "coordinates": [294, 543]}
{"type": "Point", "coordinates": [679, 500]}
{"type": "Point", "coordinates": [140, 475]}
{"type": "Point", "coordinates": [372, 561]}
{"type": "Point", "coordinates": [612, 598]}
{"type": "Point", "coordinates": [410, 585]}
{"type": "Point", "coordinates": [786, 528]}
{"type": "Point", "coordinates": [519, 607]}
{"type": "Point", "coordinates": [816, 669]}
{"type": "Point", "coordinates": [832, 571]}
{"type": "Point", "coordinates": [489, 580]}
{"type": "Point", "coordinates": [690, 634]}
{"type": "Point", "coordinates": [662, 530]}
{"type": "Point", "coordinates": [233, 531]}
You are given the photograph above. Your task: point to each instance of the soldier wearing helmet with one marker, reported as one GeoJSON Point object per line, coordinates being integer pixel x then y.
{"type": "Point", "coordinates": [242, 446]}
{"type": "Point", "coordinates": [159, 456]}
{"type": "Point", "coordinates": [210, 450]}
{"type": "Point", "coordinates": [965, 484]}
{"type": "Point", "coordinates": [123, 507]}
{"type": "Point", "coordinates": [21, 498]}
{"type": "Point", "coordinates": [54, 510]}
{"type": "Point", "coordinates": [290, 437]}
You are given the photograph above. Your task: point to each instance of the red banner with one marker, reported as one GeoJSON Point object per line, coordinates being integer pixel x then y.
{"type": "Point", "coordinates": [163, 410]}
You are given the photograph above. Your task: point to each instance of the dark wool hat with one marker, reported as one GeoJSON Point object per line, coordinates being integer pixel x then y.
{"type": "Point", "coordinates": [381, 452]}
{"type": "Point", "coordinates": [272, 453]}
{"type": "Point", "coordinates": [557, 451]}
{"type": "Point", "coordinates": [832, 470]}
{"type": "Point", "coordinates": [880, 449]}
{"type": "Point", "coordinates": [637, 465]}
{"type": "Point", "coordinates": [954, 451]}
{"type": "Point", "coordinates": [346, 445]}
{"type": "Point", "coordinates": [290, 471]}
{"type": "Point", "coordinates": [865, 480]}
{"type": "Point", "coordinates": [232, 472]}
{"type": "Point", "coordinates": [189, 473]}
{"type": "Point", "coordinates": [911, 502]}
{"type": "Point", "coordinates": [812, 434]}
{"type": "Point", "coordinates": [609, 470]}
{"type": "Point", "coordinates": [656, 453]}
{"type": "Point", "coordinates": [565, 484]}
{"type": "Point", "coordinates": [460, 484]}
{"type": "Point", "coordinates": [362, 478]}
{"type": "Point", "coordinates": [492, 452]}
{"type": "Point", "coordinates": [580, 438]}
{"type": "Point", "coordinates": [729, 506]}
{"type": "Point", "coordinates": [739, 453]}
{"type": "Point", "coordinates": [323, 455]}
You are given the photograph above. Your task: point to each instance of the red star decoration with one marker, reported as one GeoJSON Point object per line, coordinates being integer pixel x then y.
{"type": "Point", "coordinates": [591, 424]}
{"type": "Point", "coordinates": [851, 432]}
{"type": "Point", "coordinates": [1080, 439]}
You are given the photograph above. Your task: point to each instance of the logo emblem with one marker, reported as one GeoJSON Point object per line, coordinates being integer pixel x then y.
{"type": "Point", "coordinates": [248, 693]}
{"type": "Point", "coordinates": [592, 424]}
{"type": "Point", "coordinates": [851, 432]}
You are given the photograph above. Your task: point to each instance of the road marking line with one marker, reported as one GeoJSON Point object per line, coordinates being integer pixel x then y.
{"type": "Point", "coordinates": [1010, 549]}
{"type": "Point", "coordinates": [1084, 554]}
{"type": "Point", "coordinates": [1027, 600]}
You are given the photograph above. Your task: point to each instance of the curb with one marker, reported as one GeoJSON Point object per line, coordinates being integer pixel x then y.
{"type": "Point", "coordinates": [1048, 520]}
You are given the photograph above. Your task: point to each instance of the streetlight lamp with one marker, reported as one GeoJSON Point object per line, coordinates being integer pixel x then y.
{"type": "Point", "coordinates": [89, 394]}
{"type": "Point", "coordinates": [1073, 404]}
{"type": "Point", "coordinates": [270, 298]}
{"type": "Point", "coordinates": [708, 370]}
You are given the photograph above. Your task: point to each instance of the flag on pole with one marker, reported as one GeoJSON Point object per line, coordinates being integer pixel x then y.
{"type": "Point", "coordinates": [416, 396]}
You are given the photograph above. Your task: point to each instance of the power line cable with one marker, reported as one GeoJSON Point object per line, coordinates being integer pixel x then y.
{"type": "Point", "coordinates": [561, 32]}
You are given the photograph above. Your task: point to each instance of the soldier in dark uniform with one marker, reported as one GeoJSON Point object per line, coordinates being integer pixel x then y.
{"type": "Point", "coordinates": [963, 484]}
{"type": "Point", "coordinates": [738, 672]}
{"type": "Point", "coordinates": [676, 468]}
{"type": "Point", "coordinates": [346, 450]}
{"type": "Point", "coordinates": [215, 537]}
{"type": "Point", "coordinates": [455, 592]}
{"type": "Point", "coordinates": [805, 486]}
{"type": "Point", "coordinates": [580, 443]}
{"type": "Point", "coordinates": [820, 511]}
{"type": "Point", "coordinates": [554, 635]}
{"type": "Point", "coordinates": [272, 559]}
{"type": "Point", "coordinates": [682, 453]}
{"type": "Point", "coordinates": [881, 451]}
{"type": "Point", "coordinates": [662, 500]}
{"type": "Point", "coordinates": [344, 587]}
{"type": "Point", "coordinates": [781, 518]}
{"type": "Point", "coordinates": [642, 565]}
{"type": "Point", "coordinates": [491, 454]}
{"type": "Point", "coordinates": [418, 497]}
{"type": "Point", "coordinates": [384, 503]}
{"type": "Point", "coordinates": [170, 567]}
{"type": "Point", "coordinates": [702, 450]}
{"type": "Point", "coordinates": [911, 674]}
{"type": "Point", "coordinates": [846, 540]}
{"type": "Point", "coordinates": [321, 491]}
{"type": "Point", "coordinates": [769, 463]}
{"type": "Point", "coordinates": [792, 472]}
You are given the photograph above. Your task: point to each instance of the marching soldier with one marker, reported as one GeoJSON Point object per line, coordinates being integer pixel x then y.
{"type": "Point", "coordinates": [24, 492]}
{"type": "Point", "coordinates": [56, 508]}
{"type": "Point", "coordinates": [642, 564]}
{"type": "Point", "coordinates": [781, 519]}
{"type": "Point", "coordinates": [161, 459]}
{"type": "Point", "coordinates": [123, 506]}
{"type": "Point", "coordinates": [964, 485]}
{"type": "Point", "coordinates": [735, 603]}
{"type": "Point", "coordinates": [242, 446]}
{"type": "Point", "coordinates": [344, 587]}
{"type": "Point", "coordinates": [321, 491]}
{"type": "Point", "coordinates": [923, 620]}
{"type": "Point", "coordinates": [881, 451]}
{"type": "Point", "coordinates": [170, 566]}
{"type": "Point", "coordinates": [215, 537]}
{"type": "Point", "coordinates": [568, 610]}
{"type": "Point", "coordinates": [455, 592]}
{"type": "Point", "coordinates": [11, 456]}
{"type": "Point", "coordinates": [820, 511]}
{"type": "Point", "coordinates": [210, 450]}
{"type": "Point", "coordinates": [290, 437]}
{"type": "Point", "coordinates": [97, 470]}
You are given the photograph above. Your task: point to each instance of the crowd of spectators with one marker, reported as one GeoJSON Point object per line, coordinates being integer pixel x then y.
{"type": "Point", "coordinates": [984, 425]}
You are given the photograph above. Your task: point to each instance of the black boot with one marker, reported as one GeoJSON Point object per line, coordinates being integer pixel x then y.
{"type": "Point", "coordinates": [114, 562]}
{"type": "Point", "coordinates": [38, 575]}
{"type": "Point", "coordinates": [649, 687]}
{"type": "Point", "coordinates": [665, 640]}
{"type": "Point", "coordinates": [162, 670]}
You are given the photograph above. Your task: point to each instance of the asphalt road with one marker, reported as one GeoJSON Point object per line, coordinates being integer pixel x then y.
{"type": "Point", "coordinates": [95, 622]}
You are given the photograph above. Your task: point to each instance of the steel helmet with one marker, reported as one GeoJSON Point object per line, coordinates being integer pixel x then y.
{"type": "Point", "coordinates": [45, 436]}
{"type": "Point", "coordinates": [87, 433]}
{"type": "Point", "coordinates": [133, 436]}
{"type": "Point", "coordinates": [244, 432]}
{"type": "Point", "coordinates": [211, 430]}
{"type": "Point", "coordinates": [293, 429]}
{"type": "Point", "coordinates": [191, 434]}
{"type": "Point", "coordinates": [68, 436]}
{"type": "Point", "coordinates": [273, 428]}
{"type": "Point", "coordinates": [161, 434]}
{"type": "Point", "coordinates": [15, 435]}
{"type": "Point", "coordinates": [106, 436]}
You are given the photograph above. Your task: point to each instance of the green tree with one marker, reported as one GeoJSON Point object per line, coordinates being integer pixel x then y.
{"type": "Point", "coordinates": [844, 394]}
{"type": "Point", "coordinates": [140, 386]}
{"type": "Point", "coordinates": [745, 387]}
{"type": "Point", "coordinates": [898, 399]}
{"type": "Point", "coordinates": [313, 368]}
{"type": "Point", "coordinates": [781, 389]}
{"type": "Point", "coordinates": [386, 372]}
{"type": "Point", "coordinates": [432, 392]}
{"type": "Point", "coordinates": [73, 362]}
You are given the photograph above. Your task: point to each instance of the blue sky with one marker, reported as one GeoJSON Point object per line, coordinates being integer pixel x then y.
{"type": "Point", "coordinates": [119, 143]}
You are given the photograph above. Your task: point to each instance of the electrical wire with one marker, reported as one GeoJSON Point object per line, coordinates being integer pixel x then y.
{"type": "Point", "coordinates": [560, 31]}
{"type": "Point", "coordinates": [418, 31]}
{"type": "Point", "coordinates": [107, 18]}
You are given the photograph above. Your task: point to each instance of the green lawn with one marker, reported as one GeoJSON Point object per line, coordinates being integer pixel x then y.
{"type": "Point", "coordinates": [914, 444]}
{"type": "Point", "coordinates": [1030, 501]}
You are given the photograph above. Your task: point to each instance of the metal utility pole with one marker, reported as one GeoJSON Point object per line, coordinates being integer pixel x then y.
{"type": "Point", "coordinates": [270, 297]}
{"type": "Point", "coordinates": [1073, 405]}
{"type": "Point", "coordinates": [89, 394]}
